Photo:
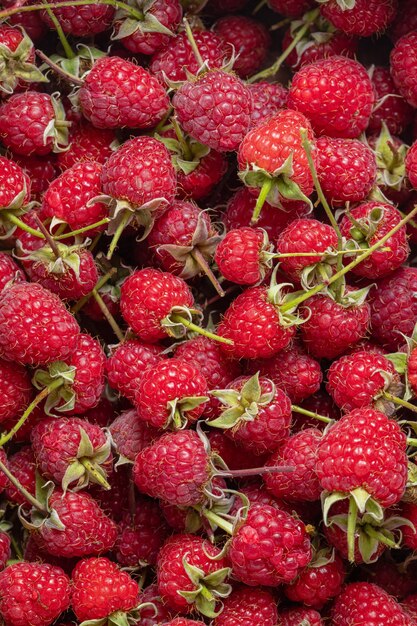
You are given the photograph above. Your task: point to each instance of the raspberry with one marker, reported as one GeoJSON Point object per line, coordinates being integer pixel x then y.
{"type": "Point", "coordinates": [242, 256]}
{"type": "Point", "coordinates": [250, 40]}
{"type": "Point", "coordinates": [127, 364]}
{"type": "Point", "coordinates": [365, 18]}
{"type": "Point", "coordinates": [82, 21]}
{"type": "Point", "coordinates": [404, 67]}
{"type": "Point", "coordinates": [15, 390]}
{"type": "Point", "coordinates": [390, 107]}
{"type": "Point", "coordinates": [318, 583]}
{"type": "Point", "coordinates": [267, 99]}
{"type": "Point", "coordinates": [131, 435]}
{"type": "Point", "coordinates": [87, 143]}
{"type": "Point", "coordinates": [248, 607]}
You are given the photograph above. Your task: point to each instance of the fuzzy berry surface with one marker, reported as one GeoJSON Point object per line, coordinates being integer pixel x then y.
{"type": "Point", "coordinates": [15, 389]}
{"type": "Point", "coordinates": [82, 21]}
{"type": "Point", "coordinates": [346, 457]}
{"type": "Point", "coordinates": [131, 435]}
{"type": "Point", "coordinates": [14, 183]}
{"type": "Point", "coordinates": [127, 364]}
{"type": "Point", "coordinates": [335, 94]}
{"type": "Point", "coordinates": [248, 607]}
{"type": "Point", "coordinates": [239, 255]}
{"type": "Point", "coordinates": [365, 18]}
{"type": "Point", "coordinates": [33, 593]}
{"type": "Point", "coordinates": [390, 107]}
{"type": "Point", "coordinates": [318, 584]}
{"type": "Point", "coordinates": [250, 40]}
{"type": "Point", "coordinates": [35, 326]}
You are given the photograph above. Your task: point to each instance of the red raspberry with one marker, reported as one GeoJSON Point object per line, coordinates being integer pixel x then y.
{"type": "Point", "coordinates": [300, 452]}
{"type": "Point", "coordinates": [179, 554]}
{"type": "Point", "coordinates": [411, 165]}
{"type": "Point", "coordinates": [138, 39]}
{"type": "Point", "coordinates": [292, 370]}
{"type": "Point", "coordinates": [127, 364]}
{"type": "Point", "coordinates": [102, 414]}
{"type": "Point", "coordinates": [41, 171]}
{"type": "Point", "coordinates": [267, 99]}
{"type": "Point", "coordinates": [320, 403]}
{"type": "Point", "coordinates": [35, 326]}
{"type": "Point", "coordinates": [215, 109]}
{"type": "Point", "coordinates": [9, 271]}
{"type": "Point", "coordinates": [305, 235]}
{"type": "Point", "coordinates": [365, 18]}
{"type": "Point", "coordinates": [405, 21]}
{"type": "Point", "coordinates": [390, 107]}
{"type": "Point", "coordinates": [394, 308]}
{"type": "Point", "coordinates": [147, 614]}
{"type": "Point", "coordinates": [250, 40]}
{"type": "Point", "coordinates": [201, 181]}
{"type": "Point", "coordinates": [412, 370]}
{"type": "Point", "coordinates": [370, 604]}
{"type": "Point", "coordinates": [183, 621]}
{"type": "Point", "coordinates": [87, 143]}
{"type": "Point", "coordinates": [148, 296]}
{"type": "Point", "coordinates": [31, 22]}
{"type": "Point", "coordinates": [295, 617]}
{"type": "Point", "coordinates": [178, 56]}
{"type": "Point", "coordinates": [87, 529]}
{"type": "Point", "coordinates": [319, 582]}
{"type": "Point", "coordinates": [141, 172]}
{"type": "Point", "coordinates": [33, 123]}
{"type": "Point", "coordinates": [22, 465]}
{"type": "Point", "coordinates": [15, 390]}
{"type": "Point", "coordinates": [272, 219]}
{"type": "Point", "coordinates": [242, 256]}
{"type": "Point", "coordinates": [320, 42]}
{"type": "Point", "coordinates": [33, 593]}
{"type": "Point", "coordinates": [117, 93]}
{"type": "Point", "coordinates": [210, 359]}
{"type": "Point", "coordinates": [409, 512]}
{"type": "Point", "coordinates": [171, 394]}
{"type": "Point", "coordinates": [346, 457]}
{"type": "Point", "coordinates": [115, 501]}
{"type": "Point", "coordinates": [257, 415]}
{"type": "Point", "coordinates": [100, 588]}
{"type": "Point", "coordinates": [290, 8]}
{"type": "Point", "coordinates": [18, 61]}
{"type": "Point", "coordinates": [141, 535]}
{"type": "Point", "coordinates": [70, 197]}
{"type": "Point", "coordinates": [131, 435]}
{"type": "Point", "coordinates": [270, 547]}
{"type": "Point", "coordinates": [346, 169]}
{"type": "Point", "coordinates": [248, 607]}
{"type": "Point", "coordinates": [15, 184]}
{"type": "Point", "coordinates": [376, 219]}
{"type": "Point", "coordinates": [82, 21]}
{"type": "Point", "coordinates": [61, 445]}
{"type": "Point", "coordinates": [174, 468]}
{"type": "Point", "coordinates": [252, 321]}
{"type": "Point", "coordinates": [331, 327]}
{"type": "Point", "coordinates": [183, 239]}
{"type": "Point", "coordinates": [275, 147]}
{"type": "Point", "coordinates": [335, 94]}
{"type": "Point", "coordinates": [396, 580]}
{"type": "Point", "coordinates": [404, 67]}
{"type": "Point", "coordinates": [358, 380]}
{"type": "Point", "coordinates": [5, 549]}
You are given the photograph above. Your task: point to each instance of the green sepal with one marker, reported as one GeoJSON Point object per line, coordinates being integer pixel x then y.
{"type": "Point", "coordinates": [79, 65]}
{"type": "Point", "coordinates": [201, 239]}
{"type": "Point", "coordinates": [243, 405]}
{"type": "Point", "coordinates": [15, 66]}
{"type": "Point", "coordinates": [120, 618]}
{"type": "Point", "coordinates": [140, 216]}
{"type": "Point", "coordinates": [82, 475]}
{"type": "Point", "coordinates": [69, 258]}
{"type": "Point", "coordinates": [178, 409]}
{"type": "Point", "coordinates": [49, 518]}
{"type": "Point", "coordinates": [209, 588]}
{"type": "Point", "coordinates": [57, 129]}
{"type": "Point", "coordinates": [282, 184]}
{"type": "Point", "coordinates": [62, 398]}
{"type": "Point", "coordinates": [129, 26]}
{"type": "Point", "coordinates": [399, 360]}
{"type": "Point", "coordinates": [176, 329]}
{"type": "Point", "coordinates": [179, 159]}
{"type": "Point", "coordinates": [364, 502]}
{"type": "Point", "coordinates": [390, 160]}
{"type": "Point", "coordinates": [279, 295]}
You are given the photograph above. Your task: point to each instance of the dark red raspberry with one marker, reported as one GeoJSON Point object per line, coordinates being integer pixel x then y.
{"type": "Point", "coordinates": [215, 109]}
{"type": "Point", "coordinates": [235, 457]}
{"type": "Point", "coordinates": [131, 435]}
{"type": "Point", "coordinates": [250, 40]}
{"type": "Point", "coordinates": [267, 99]}
{"type": "Point", "coordinates": [22, 465]}
{"type": "Point", "coordinates": [118, 93]}
{"type": "Point", "coordinates": [295, 617]}
{"type": "Point", "coordinates": [364, 18]}
{"type": "Point", "coordinates": [87, 143]}
{"type": "Point", "coordinates": [290, 8]}
{"type": "Point", "coordinates": [127, 364]}
{"type": "Point", "coordinates": [15, 184]}
{"type": "Point", "coordinates": [82, 21]}
{"type": "Point", "coordinates": [390, 107]}
{"type": "Point", "coordinates": [335, 94]}
{"type": "Point", "coordinates": [298, 451]}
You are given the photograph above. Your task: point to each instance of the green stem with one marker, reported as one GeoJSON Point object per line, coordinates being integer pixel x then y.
{"type": "Point", "coordinates": [94, 473]}
{"type": "Point", "coordinates": [351, 528]}
{"type": "Point", "coordinates": [161, 126]}
{"type": "Point", "coordinates": [192, 43]}
{"type": "Point", "coordinates": [82, 301]}
{"type": "Point", "coordinates": [64, 41]}
{"type": "Point", "coordinates": [375, 534]}
{"type": "Point", "coordinates": [16, 548]}
{"type": "Point", "coordinates": [21, 489]}
{"type": "Point", "coordinates": [316, 416]}
{"type": "Point", "coordinates": [285, 255]}
{"type": "Point", "coordinates": [71, 3]}
{"type": "Point", "coordinates": [218, 521]}
{"type": "Point", "coordinates": [43, 394]}
{"type": "Point", "coordinates": [256, 471]}
{"type": "Point", "coordinates": [18, 222]}
{"type": "Point", "coordinates": [179, 319]}
{"type": "Point", "coordinates": [109, 317]}
{"type": "Point", "coordinates": [411, 442]}
{"type": "Point", "coordinates": [204, 266]}
{"type": "Point", "coordinates": [186, 152]}
{"type": "Point", "coordinates": [49, 239]}
{"type": "Point", "coordinates": [263, 194]}
{"type": "Point", "coordinates": [119, 231]}
{"type": "Point", "coordinates": [399, 401]}
{"type": "Point", "coordinates": [85, 229]}
{"type": "Point", "coordinates": [60, 71]}
{"type": "Point", "coordinates": [280, 24]}
{"type": "Point", "coordinates": [330, 216]}
{"type": "Point", "coordinates": [350, 266]}
{"type": "Point", "coordinates": [271, 71]}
